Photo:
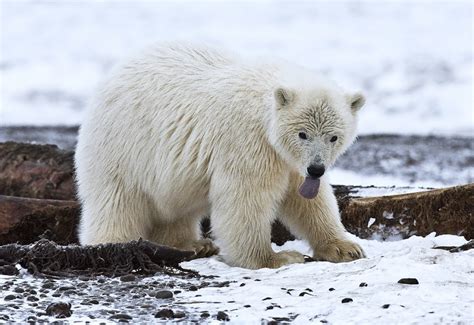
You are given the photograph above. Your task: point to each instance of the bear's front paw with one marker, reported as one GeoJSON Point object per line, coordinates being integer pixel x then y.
{"type": "Point", "coordinates": [338, 250]}
{"type": "Point", "coordinates": [284, 258]}
{"type": "Point", "coordinates": [204, 248]}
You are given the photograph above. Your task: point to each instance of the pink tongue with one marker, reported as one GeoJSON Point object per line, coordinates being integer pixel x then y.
{"type": "Point", "coordinates": [310, 187]}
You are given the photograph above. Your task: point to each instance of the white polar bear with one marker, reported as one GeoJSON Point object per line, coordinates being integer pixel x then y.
{"type": "Point", "coordinates": [184, 132]}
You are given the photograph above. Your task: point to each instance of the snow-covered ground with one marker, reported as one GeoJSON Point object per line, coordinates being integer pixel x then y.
{"type": "Point", "coordinates": [413, 59]}
{"type": "Point", "coordinates": [304, 293]}
{"type": "Point", "coordinates": [445, 293]}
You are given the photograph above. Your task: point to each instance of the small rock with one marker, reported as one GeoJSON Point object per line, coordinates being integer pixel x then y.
{"type": "Point", "coordinates": [205, 314]}
{"type": "Point", "coordinates": [121, 317]}
{"type": "Point", "coordinates": [242, 284]}
{"type": "Point", "coordinates": [331, 289]}
{"type": "Point", "coordinates": [8, 270]}
{"type": "Point", "coordinates": [267, 298]}
{"type": "Point", "coordinates": [221, 284]}
{"type": "Point", "coordinates": [164, 294]}
{"type": "Point", "coordinates": [346, 300]}
{"type": "Point", "coordinates": [48, 285]}
{"type": "Point", "coordinates": [66, 288]}
{"type": "Point", "coordinates": [9, 297]}
{"type": "Point", "coordinates": [179, 314]}
{"type": "Point", "coordinates": [128, 278]}
{"type": "Point", "coordinates": [32, 298]}
{"type": "Point", "coordinates": [59, 310]}
{"type": "Point", "coordinates": [386, 306]}
{"type": "Point", "coordinates": [19, 290]}
{"type": "Point", "coordinates": [165, 313]}
{"type": "Point", "coordinates": [363, 284]}
{"type": "Point", "coordinates": [4, 317]}
{"type": "Point", "coordinates": [408, 281]}
{"type": "Point", "coordinates": [222, 316]}
{"type": "Point", "coordinates": [192, 288]}
{"type": "Point", "coordinates": [247, 306]}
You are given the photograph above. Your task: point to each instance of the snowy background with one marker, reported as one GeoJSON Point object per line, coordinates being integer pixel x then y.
{"type": "Point", "coordinates": [412, 59]}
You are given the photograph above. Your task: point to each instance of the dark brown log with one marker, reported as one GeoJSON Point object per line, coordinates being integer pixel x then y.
{"type": "Point", "coordinates": [444, 211]}
{"type": "Point", "coordinates": [36, 171]}
{"type": "Point", "coordinates": [25, 220]}
{"type": "Point", "coordinates": [46, 172]}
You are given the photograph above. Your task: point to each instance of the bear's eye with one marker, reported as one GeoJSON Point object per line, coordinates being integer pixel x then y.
{"type": "Point", "coordinates": [333, 139]}
{"type": "Point", "coordinates": [303, 135]}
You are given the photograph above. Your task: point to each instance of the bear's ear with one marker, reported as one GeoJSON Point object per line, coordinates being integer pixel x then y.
{"type": "Point", "coordinates": [356, 101]}
{"type": "Point", "coordinates": [283, 97]}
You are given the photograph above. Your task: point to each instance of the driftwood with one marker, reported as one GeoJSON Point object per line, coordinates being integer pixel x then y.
{"type": "Point", "coordinates": [45, 172]}
{"type": "Point", "coordinates": [444, 211]}
{"type": "Point", "coordinates": [47, 258]}
{"type": "Point", "coordinates": [36, 171]}
{"type": "Point", "coordinates": [25, 220]}
{"type": "Point", "coordinates": [456, 249]}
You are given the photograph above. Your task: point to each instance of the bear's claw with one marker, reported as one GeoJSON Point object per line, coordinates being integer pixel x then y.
{"type": "Point", "coordinates": [339, 250]}
{"type": "Point", "coordinates": [204, 248]}
{"type": "Point", "coordinates": [284, 258]}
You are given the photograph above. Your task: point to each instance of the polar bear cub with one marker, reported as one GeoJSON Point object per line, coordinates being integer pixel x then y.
{"type": "Point", "coordinates": [184, 131]}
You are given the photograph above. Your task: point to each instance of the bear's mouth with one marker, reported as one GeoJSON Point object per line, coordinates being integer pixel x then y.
{"type": "Point", "coordinates": [310, 187]}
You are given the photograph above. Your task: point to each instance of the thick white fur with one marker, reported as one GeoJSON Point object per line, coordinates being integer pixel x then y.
{"type": "Point", "coordinates": [182, 132]}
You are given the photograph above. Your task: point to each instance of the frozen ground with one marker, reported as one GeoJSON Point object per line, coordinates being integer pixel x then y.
{"type": "Point", "coordinates": [412, 59]}
{"type": "Point", "coordinates": [305, 294]}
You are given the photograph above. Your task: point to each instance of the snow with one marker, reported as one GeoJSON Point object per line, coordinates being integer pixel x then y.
{"type": "Point", "coordinates": [347, 177]}
{"type": "Point", "coordinates": [445, 289]}
{"type": "Point", "coordinates": [445, 293]}
{"type": "Point", "coordinates": [412, 60]}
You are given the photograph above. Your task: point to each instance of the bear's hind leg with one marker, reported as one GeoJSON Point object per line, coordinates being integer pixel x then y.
{"type": "Point", "coordinates": [185, 234]}
{"type": "Point", "coordinates": [114, 214]}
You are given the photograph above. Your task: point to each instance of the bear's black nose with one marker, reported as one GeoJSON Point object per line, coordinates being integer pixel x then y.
{"type": "Point", "coordinates": [316, 171]}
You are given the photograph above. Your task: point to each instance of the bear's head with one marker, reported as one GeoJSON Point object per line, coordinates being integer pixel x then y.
{"type": "Point", "coordinates": [312, 127]}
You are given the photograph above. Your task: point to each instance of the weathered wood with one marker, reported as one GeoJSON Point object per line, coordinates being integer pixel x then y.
{"type": "Point", "coordinates": [444, 211]}
{"type": "Point", "coordinates": [46, 172]}
{"type": "Point", "coordinates": [36, 171]}
{"type": "Point", "coordinates": [25, 220]}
